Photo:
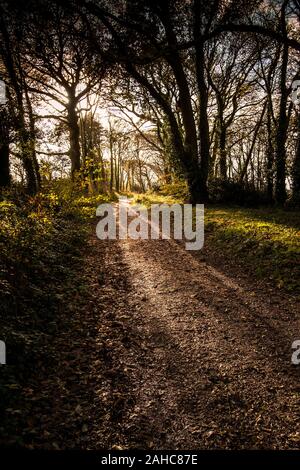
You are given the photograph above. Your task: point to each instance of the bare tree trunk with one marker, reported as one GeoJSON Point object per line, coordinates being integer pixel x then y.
{"type": "Point", "coordinates": [203, 97]}
{"type": "Point", "coordinates": [31, 181]}
{"type": "Point", "coordinates": [4, 165]}
{"type": "Point", "coordinates": [102, 186]}
{"type": "Point", "coordinates": [4, 151]}
{"type": "Point", "coordinates": [213, 158]}
{"type": "Point", "coordinates": [117, 170]}
{"type": "Point", "coordinates": [282, 126]}
{"type": "Point", "coordinates": [223, 156]}
{"type": "Point", "coordinates": [296, 169]}
{"type": "Point", "coordinates": [243, 173]}
{"type": "Point", "coordinates": [270, 158]}
{"type": "Point", "coordinates": [140, 172]}
{"type": "Point", "coordinates": [148, 180]}
{"type": "Point", "coordinates": [32, 139]}
{"type": "Point", "coordinates": [74, 133]}
{"type": "Point", "coordinates": [111, 182]}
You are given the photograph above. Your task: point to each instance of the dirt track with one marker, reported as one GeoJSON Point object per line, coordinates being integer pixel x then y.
{"type": "Point", "coordinates": [172, 353]}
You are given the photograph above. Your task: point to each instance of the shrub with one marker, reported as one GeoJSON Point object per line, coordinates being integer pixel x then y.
{"type": "Point", "coordinates": [234, 192]}
{"type": "Point", "coordinates": [177, 190]}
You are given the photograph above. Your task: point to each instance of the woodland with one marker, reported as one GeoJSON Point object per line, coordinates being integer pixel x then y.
{"type": "Point", "coordinates": [114, 344]}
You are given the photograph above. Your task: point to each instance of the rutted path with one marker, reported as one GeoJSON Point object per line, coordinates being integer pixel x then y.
{"type": "Point", "coordinates": [173, 353]}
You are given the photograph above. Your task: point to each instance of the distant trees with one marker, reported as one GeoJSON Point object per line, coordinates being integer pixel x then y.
{"type": "Point", "coordinates": [230, 76]}
{"type": "Point", "coordinates": [176, 37]}
{"type": "Point", "coordinates": [131, 163]}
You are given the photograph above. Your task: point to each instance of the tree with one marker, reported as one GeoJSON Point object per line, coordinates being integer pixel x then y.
{"type": "Point", "coordinates": [4, 148]}
{"type": "Point", "coordinates": [19, 103]}
{"type": "Point", "coordinates": [62, 63]}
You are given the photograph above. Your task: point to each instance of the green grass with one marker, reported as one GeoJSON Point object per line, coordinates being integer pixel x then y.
{"type": "Point", "coordinates": [265, 241]}
{"type": "Point", "coordinates": [153, 198]}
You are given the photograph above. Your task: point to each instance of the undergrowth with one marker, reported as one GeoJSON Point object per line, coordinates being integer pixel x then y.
{"type": "Point", "coordinates": [42, 243]}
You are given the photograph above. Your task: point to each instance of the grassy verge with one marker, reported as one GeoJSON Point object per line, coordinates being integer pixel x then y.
{"type": "Point", "coordinates": [42, 243]}
{"type": "Point", "coordinates": [264, 241]}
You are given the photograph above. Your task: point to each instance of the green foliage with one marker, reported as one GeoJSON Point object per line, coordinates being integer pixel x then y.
{"type": "Point", "coordinates": [153, 198]}
{"type": "Point", "coordinates": [167, 193]}
{"type": "Point", "coordinates": [42, 242]}
{"type": "Point", "coordinates": [37, 236]}
{"type": "Point", "coordinates": [178, 190]}
{"type": "Point", "coordinates": [234, 192]}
